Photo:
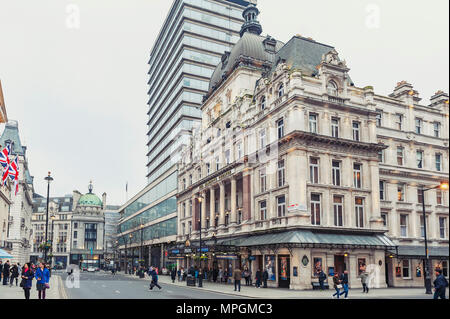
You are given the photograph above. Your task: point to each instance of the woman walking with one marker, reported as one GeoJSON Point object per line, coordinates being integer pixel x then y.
{"type": "Point", "coordinates": [337, 285]}
{"type": "Point", "coordinates": [42, 276]}
{"type": "Point", "coordinates": [27, 280]}
{"type": "Point", "coordinates": [364, 280]}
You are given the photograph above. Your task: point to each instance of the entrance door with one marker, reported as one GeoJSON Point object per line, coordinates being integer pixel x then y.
{"type": "Point", "coordinates": [339, 264]}
{"type": "Point", "coordinates": [284, 275]}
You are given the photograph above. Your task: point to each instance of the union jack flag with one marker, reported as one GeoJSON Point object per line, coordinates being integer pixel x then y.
{"type": "Point", "coordinates": [4, 156]}
{"type": "Point", "coordinates": [13, 173]}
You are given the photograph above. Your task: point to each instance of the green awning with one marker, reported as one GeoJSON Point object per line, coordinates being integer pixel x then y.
{"type": "Point", "coordinates": [419, 251]}
{"type": "Point", "coordinates": [309, 237]}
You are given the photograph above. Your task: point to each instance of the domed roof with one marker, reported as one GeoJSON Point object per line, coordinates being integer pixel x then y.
{"type": "Point", "coordinates": [251, 46]}
{"type": "Point", "coordinates": [90, 200]}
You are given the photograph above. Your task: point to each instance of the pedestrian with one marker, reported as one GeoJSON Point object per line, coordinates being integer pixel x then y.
{"type": "Point", "coordinates": [14, 275]}
{"type": "Point", "coordinates": [27, 280]}
{"type": "Point", "coordinates": [265, 277]}
{"type": "Point", "coordinates": [337, 285]}
{"type": "Point", "coordinates": [250, 277]}
{"type": "Point", "coordinates": [1, 270]}
{"type": "Point", "coordinates": [215, 274]}
{"type": "Point", "coordinates": [439, 285]}
{"type": "Point", "coordinates": [220, 277]}
{"type": "Point", "coordinates": [154, 281]}
{"type": "Point", "coordinates": [258, 278]}
{"type": "Point", "coordinates": [179, 274]}
{"type": "Point", "coordinates": [344, 283]}
{"type": "Point", "coordinates": [6, 273]}
{"type": "Point", "coordinates": [322, 278]}
{"type": "Point", "coordinates": [19, 268]}
{"type": "Point", "coordinates": [364, 280]}
{"type": "Point", "coordinates": [225, 275]}
{"type": "Point", "coordinates": [245, 275]}
{"type": "Point", "coordinates": [173, 274]}
{"type": "Point", "coordinates": [42, 276]}
{"type": "Point", "coordinates": [237, 279]}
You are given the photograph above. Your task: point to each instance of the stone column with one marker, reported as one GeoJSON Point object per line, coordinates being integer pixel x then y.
{"type": "Point", "coordinates": [203, 219]}
{"type": "Point", "coordinates": [222, 205]}
{"type": "Point", "coordinates": [233, 201]}
{"type": "Point", "coordinates": [246, 196]}
{"type": "Point", "coordinates": [194, 216]}
{"type": "Point", "coordinates": [212, 209]}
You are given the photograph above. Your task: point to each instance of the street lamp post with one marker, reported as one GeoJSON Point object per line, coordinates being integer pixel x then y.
{"type": "Point", "coordinates": [141, 255]}
{"type": "Point", "coordinates": [53, 232]}
{"type": "Point", "coordinates": [49, 179]}
{"type": "Point", "coordinates": [200, 273]}
{"type": "Point", "coordinates": [426, 262]}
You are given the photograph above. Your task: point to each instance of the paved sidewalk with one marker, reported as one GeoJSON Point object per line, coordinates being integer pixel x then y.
{"type": "Point", "coordinates": [276, 293]}
{"type": "Point", "coordinates": [16, 292]}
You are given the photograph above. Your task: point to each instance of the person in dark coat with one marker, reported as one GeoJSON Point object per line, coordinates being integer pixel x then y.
{"type": "Point", "coordinates": [14, 274]}
{"type": "Point", "coordinates": [265, 276]}
{"type": "Point", "coordinates": [344, 282]}
{"type": "Point", "coordinates": [6, 273]}
{"type": "Point", "coordinates": [1, 270]}
{"type": "Point", "coordinates": [27, 280]}
{"type": "Point", "coordinates": [439, 285]}
{"type": "Point", "coordinates": [154, 281]}
{"type": "Point", "coordinates": [173, 275]}
{"type": "Point", "coordinates": [337, 285]}
{"type": "Point", "coordinates": [322, 278]}
{"type": "Point", "coordinates": [258, 278]}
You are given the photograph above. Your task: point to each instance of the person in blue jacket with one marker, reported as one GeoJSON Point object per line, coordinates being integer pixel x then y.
{"type": "Point", "coordinates": [42, 276]}
{"type": "Point", "coordinates": [439, 285]}
{"type": "Point", "coordinates": [154, 282]}
{"type": "Point", "coordinates": [27, 279]}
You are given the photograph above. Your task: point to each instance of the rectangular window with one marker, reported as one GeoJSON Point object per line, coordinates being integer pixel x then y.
{"type": "Point", "coordinates": [281, 174]}
{"type": "Point", "coordinates": [338, 211]}
{"type": "Point", "coordinates": [217, 163]}
{"type": "Point", "coordinates": [262, 138]}
{"type": "Point", "coordinates": [418, 126]}
{"type": "Point", "coordinates": [75, 225]}
{"type": "Point", "coordinates": [208, 168]}
{"type": "Point", "coordinates": [442, 227]}
{"type": "Point", "coordinates": [357, 175]}
{"type": "Point", "coordinates": [406, 269]}
{"type": "Point", "coordinates": [239, 150]}
{"type": "Point", "coordinates": [281, 206]}
{"type": "Point", "coordinates": [184, 210]}
{"type": "Point", "coordinates": [379, 117]}
{"type": "Point", "coordinates": [419, 195]}
{"type": "Point", "coordinates": [438, 161]}
{"type": "Point", "coordinates": [75, 234]}
{"type": "Point", "coordinates": [404, 225]}
{"type": "Point", "coordinates": [335, 127]}
{"type": "Point", "coordinates": [384, 216]}
{"type": "Point", "coordinates": [313, 123]}
{"type": "Point", "coordinates": [356, 131]}
{"type": "Point", "coordinates": [381, 156]}
{"type": "Point", "coordinates": [280, 125]}
{"type": "Point", "coordinates": [336, 173]}
{"type": "Point", "coordinates": [437, 129]}
{"type": "Point", "coordinates": [227, 156]}
{"type": "Point", "coordinates": [314, 170]}
{"type": "Point", "coordinates": [400, 152]}
{"type": "Point", "coordinates": [422, 229]}
{"type": "Point", "coordinates": [262, 179]}
{"type": "Point", "coordinates": [190, 207]}
{"type": "Point", "coordinates": [359, 212]}
{"type": "Point", "coordinates": [315, 209]}
{"type": "Point", "coordinates": [263, 210]}
{"type": "Point", "coordinates": [382, 190]}
{"type": "Point", "coordinates": [401, 192]}
{"type": "Point", "coordinates": [445, 268]}
{"type": "Point", "coordinates": [190, 228]}
{"type": "Point", "coordinates": [438, 197]}
{"type": "Point", "coordinates": [399, 122]}
{"type": "Point", "coordinates": [419, 159]}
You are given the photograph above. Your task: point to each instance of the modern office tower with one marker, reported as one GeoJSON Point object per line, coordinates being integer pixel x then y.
{"type": "Point", "coordinates": [192, 40]}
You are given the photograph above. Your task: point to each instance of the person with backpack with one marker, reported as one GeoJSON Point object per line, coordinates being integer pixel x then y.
{"type": "Point", "coordinates": [154, 281]}
{"type": "Point", "coordinates": [337, 286]}
{"type": "Point", "coordinates": [440, 284]}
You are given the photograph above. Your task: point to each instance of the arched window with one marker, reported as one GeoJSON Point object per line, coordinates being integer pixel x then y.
{"type": "Point", "coordinates": [281, 90]}
{"type": "Point", "coordinates": [263, 103]}
{"type": "Point", "coordinates": [332, 88]}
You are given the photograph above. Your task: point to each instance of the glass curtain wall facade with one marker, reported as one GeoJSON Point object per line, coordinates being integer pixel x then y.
{"type": "Point", "coordinates": [192, 40]}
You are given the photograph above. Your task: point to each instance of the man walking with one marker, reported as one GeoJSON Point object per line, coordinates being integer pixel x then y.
{"type": "Point", "coordinates": [14, 275]}
{"type": "Point", "coordinates": [439, 285]}
{"type": "Point", "coordinates": [1, 270]}
{"type": "Point", "coordinates": [154, 279]}
{"type": "Point", "coordinates": [265, 277]}
{"type": "Point", "coordinates": [344, 282]}
{"type": "Point", "coordinates": [322, 278]}
{"type": "Point", "coordinates": [5, 273]}
{"type": "Point", "coordinates": [237, 279]}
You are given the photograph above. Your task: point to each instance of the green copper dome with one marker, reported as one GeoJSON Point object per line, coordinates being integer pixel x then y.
{"type": "Point", "coordinates": [90, 200]}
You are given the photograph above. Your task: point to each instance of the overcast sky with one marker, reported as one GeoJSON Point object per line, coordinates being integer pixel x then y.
{"type": "Point", "coordinates": [79, 90]}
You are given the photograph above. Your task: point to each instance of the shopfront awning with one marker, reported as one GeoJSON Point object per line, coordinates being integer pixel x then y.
{"type": "Point", "coordinates": [4, 254]}
{"type": "Point", "coordinates": [419, 252]}
{"type": "Point", "coordinates": [309, 238]}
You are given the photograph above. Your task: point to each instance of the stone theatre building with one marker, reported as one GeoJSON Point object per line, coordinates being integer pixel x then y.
{"type": "Point", "coordinates": [295, 169]}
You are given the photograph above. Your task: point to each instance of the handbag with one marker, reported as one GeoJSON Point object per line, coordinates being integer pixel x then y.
{"type": "Point", "coordinates": [22, 283]}
{"type": "Point", "coordinates": [339, 286]}
{"type": "Point", "coordinates": [47, 286]}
